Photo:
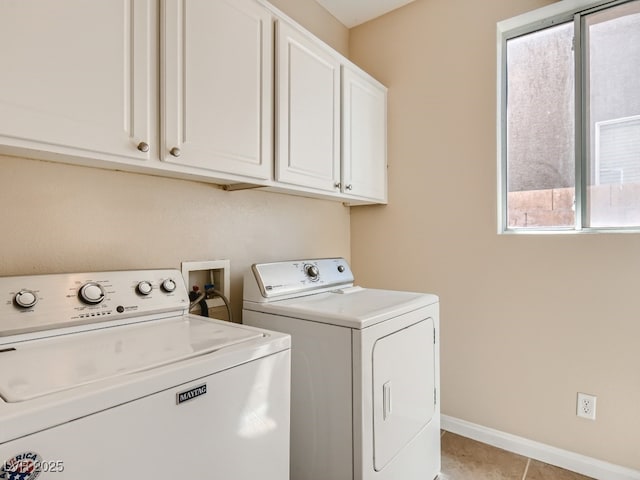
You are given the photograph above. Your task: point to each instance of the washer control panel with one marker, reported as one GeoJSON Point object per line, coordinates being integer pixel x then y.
{"type": "Point", "coordinates": [299, 276]}
{"type": "Point", "coordinates": [44, 302]}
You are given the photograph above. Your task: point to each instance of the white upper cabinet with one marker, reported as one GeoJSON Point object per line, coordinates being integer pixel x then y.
{"type": "Point", "coordinates": [364, 136]}
{"type": "Point", "coordinates": [307, 111]}
{"type": "Point", "coordinates": [223, 91]}
{"type": "Point", "coordinates": [217, 86]}
{"type": "Point", "coordinates": [76, 78]}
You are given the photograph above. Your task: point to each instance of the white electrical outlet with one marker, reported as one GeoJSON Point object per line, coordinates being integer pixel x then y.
{"type": "Point", "coordinates": [586, 406]}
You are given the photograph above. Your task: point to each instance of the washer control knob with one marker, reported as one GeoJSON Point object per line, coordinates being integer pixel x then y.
{"type": "Point", "coordinates": [312, 272]}
{"type": "Point", "coordinates": [25, 298]}
{"type": "Point", "coordinates": [341, 268]}
{"type": "Point", "coordinates": [168, 285]}
{"type": "Point", "coordinates": [144, 288]}
{"type": "Point", "coordinates": [91, 293]}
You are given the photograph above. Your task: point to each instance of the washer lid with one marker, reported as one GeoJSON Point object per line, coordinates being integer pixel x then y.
{"type": "Point", "coordinates": [39, 367]}
{"type": "Point", "coordinates": [353, 307]}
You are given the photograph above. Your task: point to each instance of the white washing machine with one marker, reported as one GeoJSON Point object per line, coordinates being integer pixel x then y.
{"type": "Point", "coordinates": [365, 371]}
{"type": "Point", "coordinates": [105, 376]}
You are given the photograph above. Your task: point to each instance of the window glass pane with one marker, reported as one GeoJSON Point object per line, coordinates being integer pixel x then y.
{"type": "Point", "coordinates": [540, 129]}
{"type": "Point", "coordinates": [613, 60]}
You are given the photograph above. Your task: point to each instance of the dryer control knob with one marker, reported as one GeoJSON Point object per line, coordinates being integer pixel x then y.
{"type": "Point", "coordinates": [168, 285]}
{"type": "Point", "coordinates": [25, 298]}
{"type": "Point", "coordinates": [312, 272]}
{"type": "Point", "coordinates": [144, 288]}
{"type": "Point", "coordinates": [91, 293]}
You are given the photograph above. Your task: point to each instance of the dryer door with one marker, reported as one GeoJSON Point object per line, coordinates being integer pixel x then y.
{"type": "Point", "coordinates": [403, 388]}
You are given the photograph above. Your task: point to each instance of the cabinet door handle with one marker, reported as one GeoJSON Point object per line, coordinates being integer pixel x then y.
{"type": "Point", "coordinates": [337, 184]}
{"type": "Point", "coordinates": [349, 187]}
{"type": "Point", "coordinates": [175, 151]}
{"type": "Point", "coordinates": [143, 146]}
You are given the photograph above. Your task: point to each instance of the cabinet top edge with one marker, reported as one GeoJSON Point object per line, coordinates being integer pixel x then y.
{"type": "Point", "coordinates": [279, 15]}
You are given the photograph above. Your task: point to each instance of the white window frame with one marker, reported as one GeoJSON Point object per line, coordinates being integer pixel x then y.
{"type": "Point", "coordinates": [557, 13]}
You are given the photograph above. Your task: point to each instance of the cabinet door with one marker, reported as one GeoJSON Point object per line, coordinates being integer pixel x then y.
{"type": "Point", "coordinates": [76, 77]}
{"type": "Point", "coordinates": [217, 86]}
{"type": "Point", "coordinates": [307, 112]}
{"type": "Point", "coordinates": [364, 136]}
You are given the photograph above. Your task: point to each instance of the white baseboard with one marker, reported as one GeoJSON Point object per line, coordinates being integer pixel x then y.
{"type": "Point", "coordinates": [575, 462]}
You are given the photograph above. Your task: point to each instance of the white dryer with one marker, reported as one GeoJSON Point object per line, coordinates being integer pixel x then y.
{"type": "Point", "coordinates": [365, 371]}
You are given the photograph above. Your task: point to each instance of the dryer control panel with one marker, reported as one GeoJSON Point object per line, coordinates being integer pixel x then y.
{"type": "Point", "coordinates": [44, 302]}
{"type": "Point", "coordinates": [297, 277]}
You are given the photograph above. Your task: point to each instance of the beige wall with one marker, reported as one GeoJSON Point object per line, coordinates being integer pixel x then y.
{"type": "Point", "coordinates": [527, 321]}
{"type": "Point", "coordinates": [61, 218]}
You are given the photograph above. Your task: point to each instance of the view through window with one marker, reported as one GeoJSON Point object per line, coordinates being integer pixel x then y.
{"type": "Point", "coordinates": [613, 92]}
{"type": "Point", "coordinates": [541, 128]}
{"type": "Point", "coordinates": [541, 140]}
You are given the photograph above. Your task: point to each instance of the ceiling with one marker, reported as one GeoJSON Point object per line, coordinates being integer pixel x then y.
{"type": "Point", "coordinates": [355, 12]}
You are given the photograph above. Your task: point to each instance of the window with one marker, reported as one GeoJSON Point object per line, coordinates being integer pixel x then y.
{"type": "Point", "coordinates": [569, 117]}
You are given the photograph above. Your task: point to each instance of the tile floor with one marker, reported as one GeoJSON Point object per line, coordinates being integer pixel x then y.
{"type": "Point", "coordinates": [465, 459]}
